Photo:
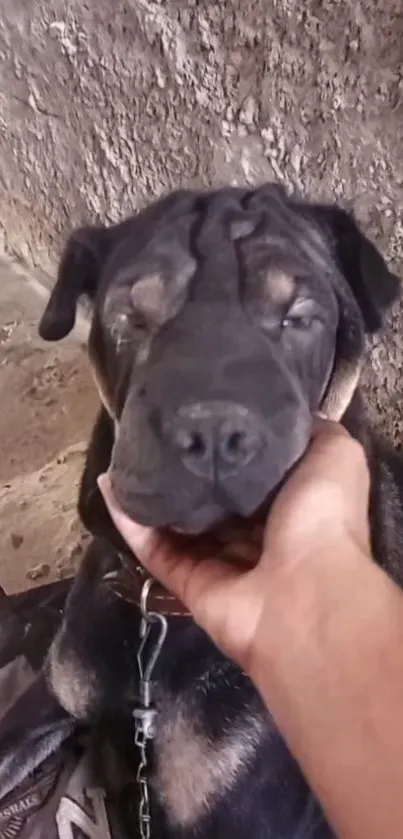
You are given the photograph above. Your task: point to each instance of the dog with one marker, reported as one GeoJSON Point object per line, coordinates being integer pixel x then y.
{"type": "Point", "coordinates": [222, 321]}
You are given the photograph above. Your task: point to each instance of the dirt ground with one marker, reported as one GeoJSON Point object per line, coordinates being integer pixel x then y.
{"type": "Point", "coordinates": [48, 402]}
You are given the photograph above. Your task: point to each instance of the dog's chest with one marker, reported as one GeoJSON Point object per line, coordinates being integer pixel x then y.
{"type": "Point", "coordinates": [194, 770]}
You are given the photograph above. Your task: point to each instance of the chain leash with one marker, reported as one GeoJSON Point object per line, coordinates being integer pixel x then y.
{"type": "Point", "coordinates": [145, 712]}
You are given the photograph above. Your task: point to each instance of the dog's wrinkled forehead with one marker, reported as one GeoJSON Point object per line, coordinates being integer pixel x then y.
{"type": "Point", "coordinates": [156, 272]}
{"type": "Point", "coordinates": [208, 248]}
{"type": "Point", "coordinates": [221, 321]}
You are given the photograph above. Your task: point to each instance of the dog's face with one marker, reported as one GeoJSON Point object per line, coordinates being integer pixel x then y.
{"type": "Point", "coordinates": [221, 323]}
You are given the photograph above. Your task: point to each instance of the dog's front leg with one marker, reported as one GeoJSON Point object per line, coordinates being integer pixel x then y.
{"type": "Point", "coordinates": [91, 664]}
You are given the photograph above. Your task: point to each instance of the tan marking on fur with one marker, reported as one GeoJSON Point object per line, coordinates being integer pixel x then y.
{"type": "Point", "coordinates": [241, 228]}
{"type": "Point", "coordinates": [186, 268]}
{"type": "Point", "coordinates": [102, 392]}
{"type": "Point", "coordinates": [144, 351]}
{"type": "Point", "coordinates": [148, 296]}
{"type": "Point", "coordinates": [316, 248]}
{"type": "Point", "coordinates": [74, 687]}
{"type": "Point", "coordinates": [279, 285]}
{"type": "Point", "coordinates": [193, 772]}
{"type": "Point", "coordinates": [343, 384]}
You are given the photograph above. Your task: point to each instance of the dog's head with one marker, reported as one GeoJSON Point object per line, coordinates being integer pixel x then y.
{"type": "Point", "coordinates": [222, 321]}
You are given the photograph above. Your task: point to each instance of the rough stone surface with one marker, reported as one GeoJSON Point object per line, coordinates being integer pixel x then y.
{"type": "Point", "coordinates": [103, 106]}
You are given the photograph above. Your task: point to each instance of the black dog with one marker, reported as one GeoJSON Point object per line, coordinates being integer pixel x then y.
{"type": "Point", "coordinates": [222, 322]}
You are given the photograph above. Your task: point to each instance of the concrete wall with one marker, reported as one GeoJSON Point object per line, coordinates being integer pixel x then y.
{"type": "Point", "coordinates": [105, 104]}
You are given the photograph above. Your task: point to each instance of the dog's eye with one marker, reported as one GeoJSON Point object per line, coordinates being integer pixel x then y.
{"type": "Point", "coordinates": [300, 315]}
{"type": "Point", "coordinates": [127, 327]}
{"type": "Point", "coordinates": [297, 321]}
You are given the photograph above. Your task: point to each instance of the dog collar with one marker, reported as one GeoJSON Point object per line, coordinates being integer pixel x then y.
{"type": "Point", "coordinates": [128, 583]}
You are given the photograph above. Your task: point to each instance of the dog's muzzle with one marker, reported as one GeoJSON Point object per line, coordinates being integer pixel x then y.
{"type": "Point", "coordinates": [205, 437]}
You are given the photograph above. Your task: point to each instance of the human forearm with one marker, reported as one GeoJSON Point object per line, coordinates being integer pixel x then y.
{"type": "Point", "coordinates": [319, 630]}
{"type": "Point", "coordinates": [330, 668]}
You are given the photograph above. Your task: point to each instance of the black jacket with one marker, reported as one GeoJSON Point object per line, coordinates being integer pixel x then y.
{"type": "Point", "coordinates": [57, 780]}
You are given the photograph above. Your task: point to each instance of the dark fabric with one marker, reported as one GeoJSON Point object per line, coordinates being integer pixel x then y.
{"type": "Point", "coordinates": [57, 781]}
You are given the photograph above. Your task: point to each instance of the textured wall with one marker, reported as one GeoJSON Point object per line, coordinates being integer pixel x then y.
{"type": "Point", "coordinates": [103, 105]}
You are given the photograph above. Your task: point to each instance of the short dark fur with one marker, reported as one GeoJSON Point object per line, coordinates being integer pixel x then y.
{"type": "Point", "coordinates": [97, 642]}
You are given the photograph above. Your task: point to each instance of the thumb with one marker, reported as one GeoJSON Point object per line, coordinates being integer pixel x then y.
{"type": "Point", "coordinates": [189, 578]}
{"type": "Point", "coordinates": [225, 599]}
{"type": "Point", "coordinates": [139, 539]}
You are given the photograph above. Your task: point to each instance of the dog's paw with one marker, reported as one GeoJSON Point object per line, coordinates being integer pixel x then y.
{"type": "Point", "coordinates": [76, 684]}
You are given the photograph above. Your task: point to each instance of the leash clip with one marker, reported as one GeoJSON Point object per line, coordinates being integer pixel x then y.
{"type": "Point", "coordinates": [145, 713]}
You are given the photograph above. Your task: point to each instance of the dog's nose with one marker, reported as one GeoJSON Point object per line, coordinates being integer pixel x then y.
{"type": "Point", "coordinates": [215, 439]}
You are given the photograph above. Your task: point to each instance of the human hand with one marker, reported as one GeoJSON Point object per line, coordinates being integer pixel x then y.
{"type": "Point", "coordinates": [319, 514]}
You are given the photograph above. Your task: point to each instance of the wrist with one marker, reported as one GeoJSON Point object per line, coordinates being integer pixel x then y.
{"type": "Point", "coordinates": [330, 673]}
{"type": "Point", "coordinates": [304, 604]}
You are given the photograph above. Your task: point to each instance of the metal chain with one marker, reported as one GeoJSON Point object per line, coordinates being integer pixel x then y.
{"type": "Point", "coordinates": [145, 713]}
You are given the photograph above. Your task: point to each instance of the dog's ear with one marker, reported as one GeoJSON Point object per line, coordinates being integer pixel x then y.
{"type": "Point", "coordinates": [375, 287]}
{"type": "Point", "coordinates": [78, 276]}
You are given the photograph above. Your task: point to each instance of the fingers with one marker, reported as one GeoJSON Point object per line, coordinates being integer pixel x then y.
{"type": "Point", "coordinates": [322, 493]}
{"type": "Point", "coordinates": [140, 539]}
{"type": "Point", "coordinates": [326, 495]}
{"type": "Point", "coordinates": [190, 579]}
{"type": "Point", "coordinates": [211, 589]}
{"type": "Point", "coordinates": [321, 426]}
